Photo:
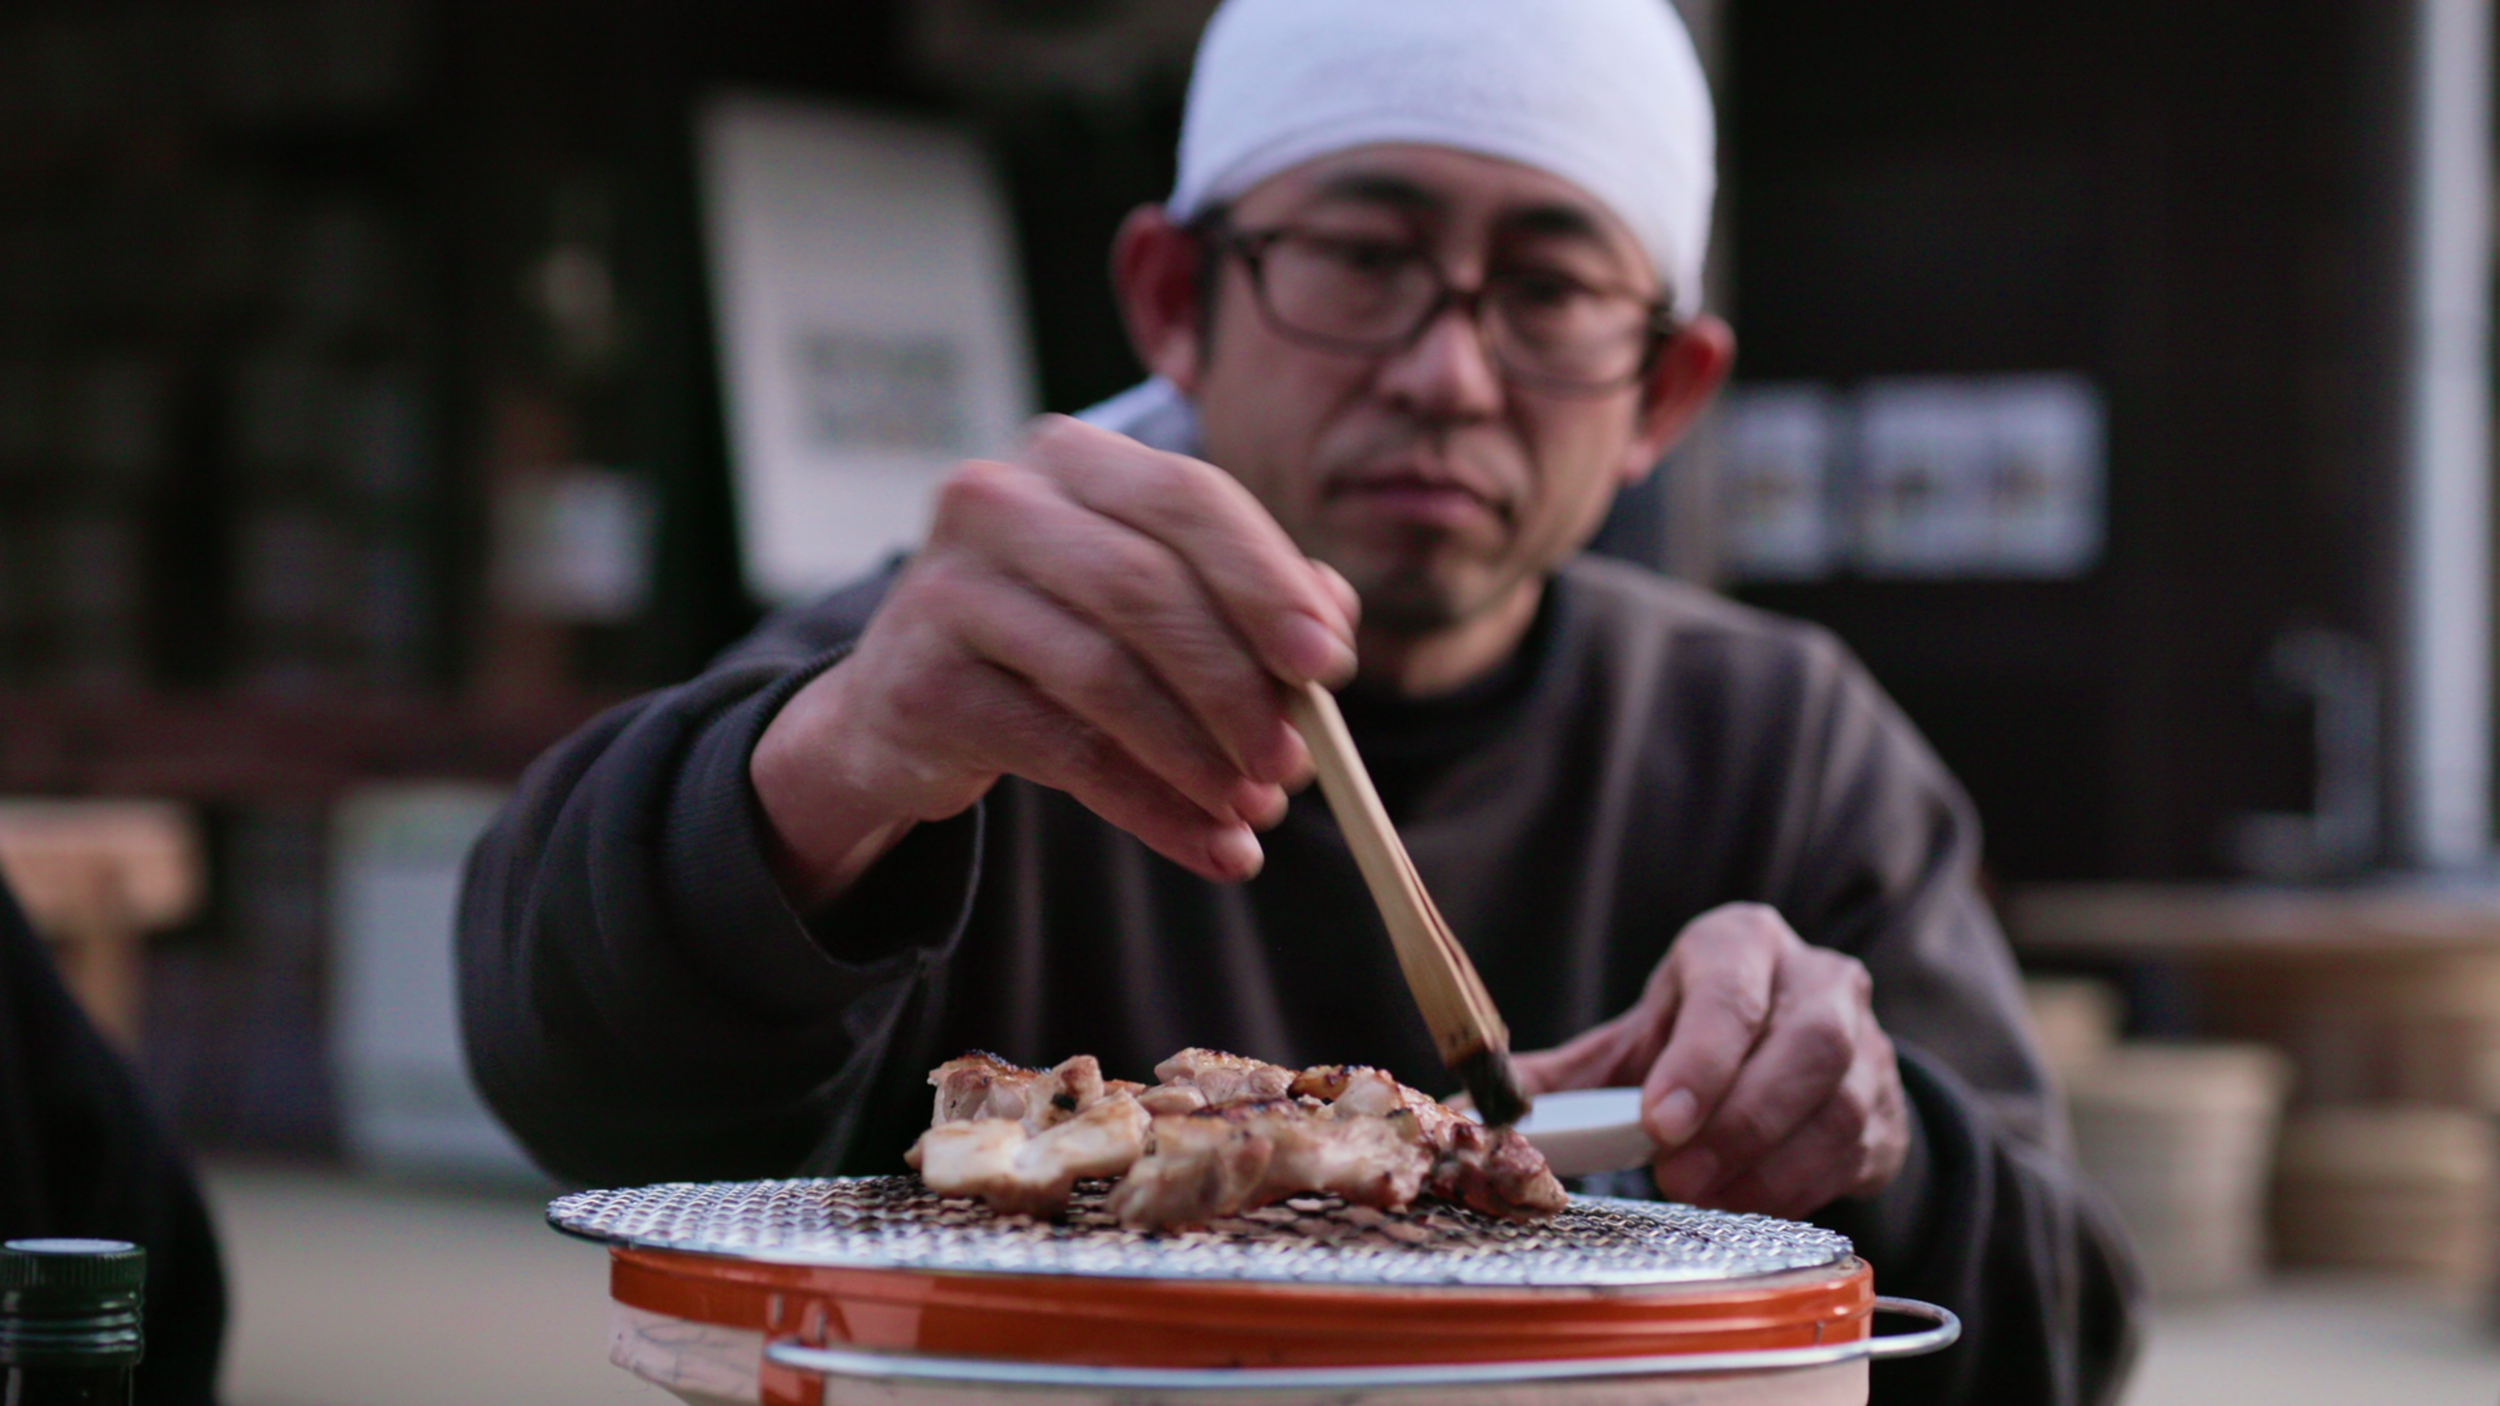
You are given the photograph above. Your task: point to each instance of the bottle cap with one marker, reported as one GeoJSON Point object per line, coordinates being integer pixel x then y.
{"type": "Point", "coordinates": [72, 1264]}
{"type": "Point", "coordinates": [71, 1302]}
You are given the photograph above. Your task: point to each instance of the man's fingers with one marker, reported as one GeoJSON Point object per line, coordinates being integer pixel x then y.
{"type": "Point", "coordinates": [1056, 749]}
{"type": "Point", "coordinates": [1096, 680]}
{"type": "Point", "coordinates": [1852, 1146]}
{"type": "Point", "coordinates": [1724, 965]}
{"type": "Point", "coordinates": [1265, 586]}
{"type": "Point", "coordinates": [1816, 1164]}
{"type": "Point", "coordinates": [1775, 1094]}
{"type": "Point", "coordinates": [1139, 592]}
{"type": "Point", "coordinates": [1348, 599]}
{"type": "Point", "coordinates": [1810, 1047]}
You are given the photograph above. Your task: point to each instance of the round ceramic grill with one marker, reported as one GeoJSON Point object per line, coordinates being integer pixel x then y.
{"type": "Point", "coordinates": [802, 1293]}
{"type": "Point", "coordinates": [897, 1223]}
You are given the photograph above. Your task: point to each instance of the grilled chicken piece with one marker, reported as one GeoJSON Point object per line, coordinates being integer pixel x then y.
{"type": "Point", "coordinates": [1367, 1161]}
{"type": "Point", "coordinates": [1199, 1168]}
{"type": "Point", "coordinates": [1232, 1157]}
{"type": "Point", "coordinates": [1223, 1078]}
{"type": "Point", "coordinates": [1496, 1171]}
{"type": "Point", "coordinates": [1220, 1135]}
{"type": "Point", "coordinates": [962, 1157]}
{"type": "Point", "coordinates": [1172, 1098]}
{"type": "Point", "coordinates": [1017, 1170]}
{"type": "Point", "coordinates": [981, 1085]}
{"type": "Point", "coordinates": [1103, 1141]}
{"type": "Point", "coordinates": [1072, 1086]}
{"type": "Point", "coordinates": [1357, 1088]}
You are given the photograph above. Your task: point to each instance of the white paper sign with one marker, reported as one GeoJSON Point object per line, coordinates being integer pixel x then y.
{"type": "Point", "coordinates": [870, 326]}
{"type": "Point", "coordinates": [2046, 491]}
{"type": "Point", "coordinates": [1778, 491]}
{"type": "Point", "coordinates": [1986, 476]}
{"type": "Point", "coordinates": [1923, 464]}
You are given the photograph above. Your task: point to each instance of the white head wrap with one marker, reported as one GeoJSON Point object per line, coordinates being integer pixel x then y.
{"type": "Point", "coordinates": [1606, 94]}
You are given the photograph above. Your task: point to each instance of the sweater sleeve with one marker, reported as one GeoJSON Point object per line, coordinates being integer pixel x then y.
{"type": "Point", "coordinates": [638, 1000]}
{"type": "Point", "coordinates": [1991, 1217]}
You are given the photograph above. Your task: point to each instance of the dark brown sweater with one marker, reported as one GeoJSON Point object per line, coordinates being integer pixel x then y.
{"type": "Point", "coordinates": [641, 1004]}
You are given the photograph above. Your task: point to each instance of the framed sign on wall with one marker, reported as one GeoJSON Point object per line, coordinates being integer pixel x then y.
{"type": "Point", "coordinates": [870, 324]}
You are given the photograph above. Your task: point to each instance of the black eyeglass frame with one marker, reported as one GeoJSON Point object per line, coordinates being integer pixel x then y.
{"type": "Point", "coordinates": [1251, 246]}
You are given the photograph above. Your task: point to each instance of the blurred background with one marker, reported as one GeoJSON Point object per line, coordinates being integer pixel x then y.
{"type": "Point", "coordinates": [387, 385]}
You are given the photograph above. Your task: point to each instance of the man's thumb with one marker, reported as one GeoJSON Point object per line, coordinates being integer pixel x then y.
{"type": "Point", "coordinates": [1587, 1061]}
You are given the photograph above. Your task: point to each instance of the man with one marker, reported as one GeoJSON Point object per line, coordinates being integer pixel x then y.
{"type": "Point", "coordinates": [1426, 297]}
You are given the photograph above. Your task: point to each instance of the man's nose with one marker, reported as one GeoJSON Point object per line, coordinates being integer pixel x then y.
{"type": "Point", "coordinates": [1448, 373]}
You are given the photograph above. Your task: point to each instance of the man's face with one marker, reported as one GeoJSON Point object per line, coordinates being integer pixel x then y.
{"type": "Point", "coordinates": [1440, 487]}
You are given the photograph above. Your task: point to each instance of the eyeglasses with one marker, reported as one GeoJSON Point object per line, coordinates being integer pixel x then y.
{"type": "Point", "coordinates": [1373, 297]}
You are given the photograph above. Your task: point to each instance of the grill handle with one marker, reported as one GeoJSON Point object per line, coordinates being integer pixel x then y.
{"type": "Point", "coordinates": [1944, 1327]}
{"type": "Point", "coordinates": [976, 1371]}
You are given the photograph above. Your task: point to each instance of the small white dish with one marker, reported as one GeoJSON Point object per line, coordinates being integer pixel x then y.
{"type": "Point", "coordinates": [1582, 1131]}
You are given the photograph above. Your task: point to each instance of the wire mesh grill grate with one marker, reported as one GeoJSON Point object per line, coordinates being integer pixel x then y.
{"type": "Point", "coordinates": [897, 1223]}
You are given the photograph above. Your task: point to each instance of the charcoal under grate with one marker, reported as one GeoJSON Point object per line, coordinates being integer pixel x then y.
{"type": "Point", "coordinates": [898, 1223]}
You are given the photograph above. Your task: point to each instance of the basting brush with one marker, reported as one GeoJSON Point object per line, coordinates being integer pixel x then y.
{"type": "Point", "coordinates": [1466, 1029]}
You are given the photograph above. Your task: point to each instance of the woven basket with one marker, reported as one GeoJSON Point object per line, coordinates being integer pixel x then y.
{"type": "Point", "coordinates": [2182, 1138]}
{"type": "Point", "coordinates": [2407, 1190]}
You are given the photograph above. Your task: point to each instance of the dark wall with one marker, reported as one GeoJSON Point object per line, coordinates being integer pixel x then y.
{"type": "Point", "coordinates": [548, 89]}
{"type": "Point", "coordinates": [552, 105]}
{"type": "Point", "coordinates": [2193, 204]}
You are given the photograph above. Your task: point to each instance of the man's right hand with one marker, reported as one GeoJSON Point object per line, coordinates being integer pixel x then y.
{"type": "Point", "coordinates": [1095, 616]}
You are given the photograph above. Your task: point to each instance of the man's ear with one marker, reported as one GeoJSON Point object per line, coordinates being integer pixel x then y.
{"type": "Point", "coordinates": [1154, 273]}
{"type": "Point", "coordinates": [1688, 370]}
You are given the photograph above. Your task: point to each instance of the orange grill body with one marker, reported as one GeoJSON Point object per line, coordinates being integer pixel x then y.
{"type": "Point", "coordinates": [1167, 1323]}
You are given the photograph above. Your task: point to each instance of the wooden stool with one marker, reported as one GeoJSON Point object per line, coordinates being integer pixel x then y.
{"type": "Point", "coordinates": [95, 878]}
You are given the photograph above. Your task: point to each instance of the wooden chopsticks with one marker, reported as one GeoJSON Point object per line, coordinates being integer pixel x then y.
{"type": "Point", "coordinates": [1466, 1028]}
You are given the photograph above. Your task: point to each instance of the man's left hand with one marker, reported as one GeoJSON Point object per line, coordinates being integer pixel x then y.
{"type": "Point", "coordinates": [1765, 1080]}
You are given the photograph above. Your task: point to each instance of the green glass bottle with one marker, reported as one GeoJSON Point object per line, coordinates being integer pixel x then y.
{"type": "Point", "coordinates": [69, 1321]}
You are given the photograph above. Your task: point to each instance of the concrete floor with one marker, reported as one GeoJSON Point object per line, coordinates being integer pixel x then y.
{"type": "Point", "coordinates": [2322, 1341]}
{"type": "Point", "coordinates": [357, 1293]}
{"type": "Point", "coordinates": [353, 1293]}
